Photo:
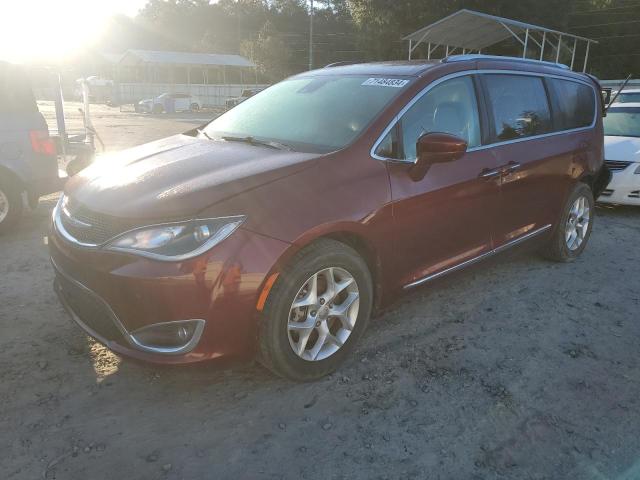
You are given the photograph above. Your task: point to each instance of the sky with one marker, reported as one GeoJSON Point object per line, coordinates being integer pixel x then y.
{"type": "Point", "coordinates": [50, 30]}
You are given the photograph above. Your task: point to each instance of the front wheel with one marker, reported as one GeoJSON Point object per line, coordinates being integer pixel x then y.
{"type": "Point", "coordinates": [572, 233]}
{"type": "Point", "coordinates": [316, 312]}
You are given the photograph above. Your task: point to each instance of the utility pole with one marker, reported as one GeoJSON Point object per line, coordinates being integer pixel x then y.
{"type": "Point", "coordinates": [311, 37]}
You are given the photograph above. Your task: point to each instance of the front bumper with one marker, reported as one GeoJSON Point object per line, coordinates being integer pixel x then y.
{"type": "Point", "coordinates": [624, 187]}
{"type": "Point", "coordinates": [113, 295]}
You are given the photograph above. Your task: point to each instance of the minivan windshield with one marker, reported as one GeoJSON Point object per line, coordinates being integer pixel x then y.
{"type": "Point", "coordinates": [622, 122]}
{"type": "Point", "coordinates": [320, 113]}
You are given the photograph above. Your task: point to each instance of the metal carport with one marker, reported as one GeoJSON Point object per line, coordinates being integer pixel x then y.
{"type": "Point", "coordinates": [467, 31]}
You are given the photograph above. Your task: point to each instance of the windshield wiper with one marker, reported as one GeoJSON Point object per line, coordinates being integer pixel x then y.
{"type": "Point", "coordinates": [202, 132]}
{"type": "Point", "coordinates": [254, 141]}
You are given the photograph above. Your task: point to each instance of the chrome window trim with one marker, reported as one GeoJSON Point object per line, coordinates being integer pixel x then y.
{"type": "Point", "coordinates": [440, 80]}
{"type": "Point", "coordinates": [129, 337]}
{"type": "Point", "coordinates": [482, 256]}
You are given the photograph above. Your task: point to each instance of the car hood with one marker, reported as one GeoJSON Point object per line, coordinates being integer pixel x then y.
{"type": "Point", "coordinates": [622, 148]}
{"type": "Point", "coordinates": [179, 176]}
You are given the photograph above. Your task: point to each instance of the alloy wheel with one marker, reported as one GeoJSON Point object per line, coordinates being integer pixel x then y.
{"type": "Point", "coordinates": [323, 314]}
{"type": "Point", "coordinates": [577, 223]}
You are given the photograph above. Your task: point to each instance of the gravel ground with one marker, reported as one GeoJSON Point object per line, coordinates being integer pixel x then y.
{"type": "Point", "coordinates": [516, 368]}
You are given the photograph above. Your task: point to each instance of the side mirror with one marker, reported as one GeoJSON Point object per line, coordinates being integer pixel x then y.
{"type": "Point", "coordinates": [436, 148]}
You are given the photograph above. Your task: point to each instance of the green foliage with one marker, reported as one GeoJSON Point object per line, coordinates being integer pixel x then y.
{"type": "Point", "coordinates": [274, 33]}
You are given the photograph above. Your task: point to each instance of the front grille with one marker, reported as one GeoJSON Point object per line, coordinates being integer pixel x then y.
{"type": "Point", "coordinates": [91, 227]}
{"type": "Point", "coordinates": [634, 194]}
{"type": "Point", "coordinates": [617, 165]}
{"type": "Point", "coordinates": [91, 311]}
{"type": "Point", "coordinates": [606, 193]}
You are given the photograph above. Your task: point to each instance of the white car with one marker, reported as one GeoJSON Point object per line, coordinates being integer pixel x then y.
{"type": "Point", "coordinates": [163, 103]}
{"type": "Point", "coordinates": [622, 154]}
{"type": "Point", "coordinates": [247, 93]}
{"type": "Point", "coordinates": [631, 95]}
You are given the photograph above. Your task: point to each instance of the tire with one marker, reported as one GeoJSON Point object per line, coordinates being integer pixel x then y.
{"type": "Point", "coordinates": [560, 247]}
{"type": "Point", "coordinates": [322, 259]}
{"type": "Point", "coordinates": [157, 109]}
{"type": "Point", "coordinates": [195, 107]}
{"type": "Point", "coordinates": [10, 205]}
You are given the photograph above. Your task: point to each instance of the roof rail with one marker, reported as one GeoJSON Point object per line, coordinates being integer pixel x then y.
{"type": "Point", "coordinates": [479, 56]}
{"type": "Point", "coordinates": [345, 62]}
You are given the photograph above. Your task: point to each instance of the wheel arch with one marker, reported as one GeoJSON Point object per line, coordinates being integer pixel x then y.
{"type": "Point", "coordinates": [13, 177]}
{"type": "Point", "coordinates": [348, 234]}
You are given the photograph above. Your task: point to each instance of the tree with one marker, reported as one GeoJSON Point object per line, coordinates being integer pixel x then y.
{"type": "Point", "coordinates": [270, 53]}
{"type": "Point", "coordinates": [275, 33]}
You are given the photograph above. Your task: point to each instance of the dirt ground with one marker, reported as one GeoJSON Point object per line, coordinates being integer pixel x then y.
{"type": "Point", "coordinates": [516, 368]}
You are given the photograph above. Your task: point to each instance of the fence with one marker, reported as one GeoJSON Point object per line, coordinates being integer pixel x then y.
{"type": "Point", "coordinates": [209, 95]}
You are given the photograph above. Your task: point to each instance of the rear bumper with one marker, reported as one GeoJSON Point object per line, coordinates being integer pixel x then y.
{"type": "Point", "coordinates": [37, 174]}
{"type": "Point", "coordinates": [44, 186]}
{"type": "Point", "coordinates": [111, 296]}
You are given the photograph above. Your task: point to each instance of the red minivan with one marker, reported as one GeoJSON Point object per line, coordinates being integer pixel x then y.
{"type": "Point", "coordinates": [277, 228]}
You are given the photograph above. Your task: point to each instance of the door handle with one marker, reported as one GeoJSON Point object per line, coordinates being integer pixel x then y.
{"type": "Point", "coordinates": [510, 167]}
{"type": "Point", "coordinates": [488, 173]}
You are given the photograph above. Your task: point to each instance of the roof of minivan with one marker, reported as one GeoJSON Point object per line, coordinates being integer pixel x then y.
{"type": "Point", "coordinates": [410, 68]}
{"type": "Point", "coordinates": [416, 68]}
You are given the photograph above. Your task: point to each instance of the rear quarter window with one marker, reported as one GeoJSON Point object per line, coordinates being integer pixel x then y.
{"type": "Point", "coordinates": [574, 104]}
{"type": "Point", "coordinates": [518, 106]}
{"type": "Point", "coordinates": [16, 95]}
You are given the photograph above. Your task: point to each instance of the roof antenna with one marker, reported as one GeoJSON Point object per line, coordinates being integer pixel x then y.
{"type": "Point", "coordinates": [622, 85]}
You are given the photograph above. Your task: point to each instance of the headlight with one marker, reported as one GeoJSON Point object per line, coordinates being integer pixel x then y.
{"type": "Point", "coordinates": [176, 241]}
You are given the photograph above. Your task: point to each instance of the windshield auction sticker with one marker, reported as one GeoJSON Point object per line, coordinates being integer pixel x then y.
{"type": "Point", "coordinates": [386, 82]}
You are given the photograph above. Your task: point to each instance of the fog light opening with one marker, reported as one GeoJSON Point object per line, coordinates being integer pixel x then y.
{"type": "Point", "coordinates": [183, 333]}
{"type": "Point", "coordinates": [169, 337]}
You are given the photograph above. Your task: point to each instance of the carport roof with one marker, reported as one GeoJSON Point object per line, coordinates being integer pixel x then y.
{"type": "Point", "coordinates": [475, 30]}
{"type": "Point", "coordinates": [132, 57]}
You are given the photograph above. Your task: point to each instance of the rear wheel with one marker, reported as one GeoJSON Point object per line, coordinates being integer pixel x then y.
{"type": "Point", "coordinates": [316, 312]}
{"type": "Point", "coordinates": [574, 228]}
{"type": "Point", "coordinates": [10, 205]}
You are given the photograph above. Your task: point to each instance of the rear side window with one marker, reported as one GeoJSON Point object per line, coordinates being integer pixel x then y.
{"type": "Point", "coordinates": [518, 106]}
{"type": "Point", "coordinates": [574, 106]}
{"type": "Point", "coordinates": [16, 95]}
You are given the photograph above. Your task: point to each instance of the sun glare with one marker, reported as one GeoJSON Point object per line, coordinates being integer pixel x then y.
{"type": "Point", "coordinates": [50, 30]}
